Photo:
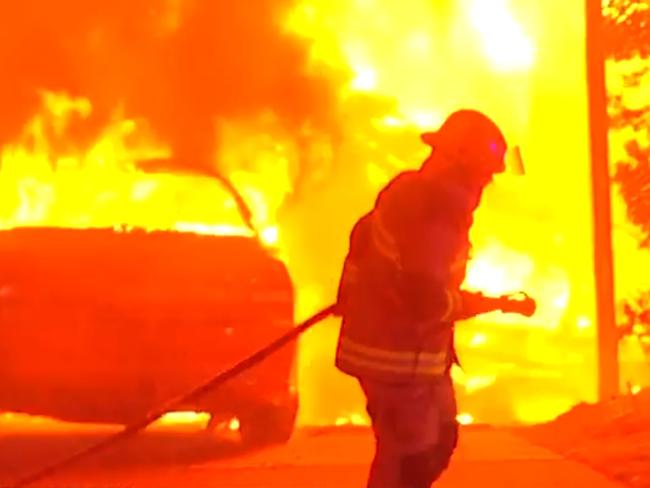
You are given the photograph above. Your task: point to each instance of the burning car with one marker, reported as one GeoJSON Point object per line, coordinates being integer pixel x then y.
{"type": "Point", "coordinates": [103, 325]}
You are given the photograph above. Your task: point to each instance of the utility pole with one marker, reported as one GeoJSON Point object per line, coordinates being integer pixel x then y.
{"type": "Point", "coordinates": [608, 367]}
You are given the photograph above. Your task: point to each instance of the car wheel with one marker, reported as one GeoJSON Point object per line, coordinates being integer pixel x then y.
{"type": "Point", "coordinates": [267, 425]}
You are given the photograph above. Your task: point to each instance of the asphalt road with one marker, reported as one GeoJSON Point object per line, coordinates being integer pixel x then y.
{"type": "Point", "coordinates": [315, 458]}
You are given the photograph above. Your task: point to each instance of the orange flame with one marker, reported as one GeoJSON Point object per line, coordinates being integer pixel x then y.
{"type": "Point", "coordinates": [421, 60]}
{"type": "Point", "coordinates": [45, 184]}
{"type": "Point", "coordinates": [429, 59]}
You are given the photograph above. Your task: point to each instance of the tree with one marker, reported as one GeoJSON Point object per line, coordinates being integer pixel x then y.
{"type": "Point", "coordinates": [627, 30]}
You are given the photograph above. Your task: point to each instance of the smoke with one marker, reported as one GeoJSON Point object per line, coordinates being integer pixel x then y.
{"type": "Point", "coordinates": [180, 65]}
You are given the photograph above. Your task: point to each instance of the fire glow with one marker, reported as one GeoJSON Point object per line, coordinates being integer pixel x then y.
{"type": "Point", "coordinates": [103, 187]}
{"type": "Point", "coordinates": [415, 60]}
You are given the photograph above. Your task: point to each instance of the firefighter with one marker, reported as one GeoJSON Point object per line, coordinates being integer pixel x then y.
{"type": "Point", "coordinates": [399, 296]}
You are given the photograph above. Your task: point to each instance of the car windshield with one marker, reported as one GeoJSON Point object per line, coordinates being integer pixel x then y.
{"type": "Point", "coordinates": [158, 201]}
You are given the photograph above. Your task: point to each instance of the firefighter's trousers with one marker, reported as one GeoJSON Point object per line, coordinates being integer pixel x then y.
{"type": "Point", "coordinates": [415, 431]}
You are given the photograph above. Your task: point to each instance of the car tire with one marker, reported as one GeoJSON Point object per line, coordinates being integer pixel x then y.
{"type": "Point", "coordinates": [271, 424]}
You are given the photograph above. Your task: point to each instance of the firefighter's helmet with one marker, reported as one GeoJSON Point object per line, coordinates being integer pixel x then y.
{"type": "Point", "coordinates": [472, 140]}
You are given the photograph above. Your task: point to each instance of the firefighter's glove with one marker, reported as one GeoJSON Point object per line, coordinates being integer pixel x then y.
{"type": "Point", "coordinates": [519, 303]}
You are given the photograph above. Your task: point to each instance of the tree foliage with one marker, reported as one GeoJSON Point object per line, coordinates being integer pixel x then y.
{"type": "Point", "coordinates": [627, 31]}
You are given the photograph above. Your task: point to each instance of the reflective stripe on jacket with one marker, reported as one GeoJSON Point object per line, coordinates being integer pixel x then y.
{"type": "Point", "coordinates": [361, 357]}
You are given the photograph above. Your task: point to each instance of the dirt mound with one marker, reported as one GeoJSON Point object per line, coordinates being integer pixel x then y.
{"type": "Point", "coordinates": [612, 437]}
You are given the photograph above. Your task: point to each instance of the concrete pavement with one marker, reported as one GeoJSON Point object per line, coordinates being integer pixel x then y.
{"type": "Point", "coordinates": [315, 458]}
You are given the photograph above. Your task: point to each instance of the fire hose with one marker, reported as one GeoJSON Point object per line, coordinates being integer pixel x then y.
{"type": "Point", "coordinates": [518, 303]}
{"type": "Point", "coordinates": [173, 404]}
